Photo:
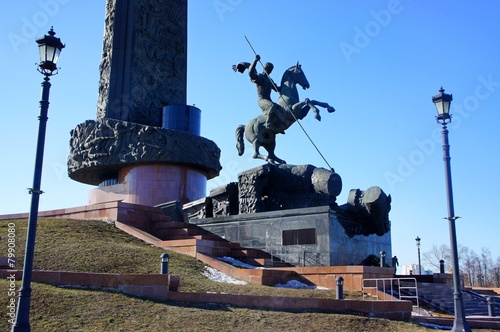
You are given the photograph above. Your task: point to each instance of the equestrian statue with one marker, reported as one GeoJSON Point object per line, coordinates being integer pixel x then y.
{"type": "Point", "coordinates": [275, 117]}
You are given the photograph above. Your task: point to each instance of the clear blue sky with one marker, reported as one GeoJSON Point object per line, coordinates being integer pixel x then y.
{"type": "Point", "coordinates": [378, 63]}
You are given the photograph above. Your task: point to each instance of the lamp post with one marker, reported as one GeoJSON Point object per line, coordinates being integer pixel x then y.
{"type": "Point", "coordinates": [50, 48]}
{"type": "Point", "coordinates": [417, 240]}
{"type": "Point", "coordinates": [443, 102]}
{"type": "Point", "coordinates": [382, 258]}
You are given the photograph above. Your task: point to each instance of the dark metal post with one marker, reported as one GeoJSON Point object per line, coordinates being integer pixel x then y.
{"type": "Point", "coordinates": [340, 288]}
{"type": "Point", "coordinates": [460, 322]}
{"type": "Point", "coordinates": [418, 249]}
{"type": "Point", "coordinates": [491, 306]}
{"type": "Point", "coordinates": [419, 264]}
{"type": "Point", "coordinates": [441, 266]}
{"type": "Point", "coordinates": [382, 258]}
{"type": "Point", "coordinates": [22, 322]}
{"type": "Point", "coordinates": [164, 263]}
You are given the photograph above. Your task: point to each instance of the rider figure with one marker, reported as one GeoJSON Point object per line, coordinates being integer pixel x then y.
{"type": "Point", "coordinates": [264, 86]}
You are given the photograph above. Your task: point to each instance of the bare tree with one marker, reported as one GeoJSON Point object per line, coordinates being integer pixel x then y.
{"type": "Point", "coordinates": [479, 270]}
{"type": "Point", "coordinates": [487, 267]}
{"type": "Point", "coordinates": [436, 254]}
{"type": "Point", "coordinates": [479, 275]}
{"type": "Point", "coordinates": [467, 265]}
{"type": "Point", "coordinates": [497, 272]}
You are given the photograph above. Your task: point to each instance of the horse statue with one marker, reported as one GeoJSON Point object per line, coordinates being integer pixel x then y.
{"type": "Point", "coordinates": [284, 113]}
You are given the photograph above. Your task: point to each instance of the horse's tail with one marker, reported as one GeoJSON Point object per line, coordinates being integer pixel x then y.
{"type": "Point", "coordinates": [240, 144]}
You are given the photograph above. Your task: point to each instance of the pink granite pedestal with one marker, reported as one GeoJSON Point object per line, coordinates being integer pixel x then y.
{"type": "Point", "coordinates": [153, 184]}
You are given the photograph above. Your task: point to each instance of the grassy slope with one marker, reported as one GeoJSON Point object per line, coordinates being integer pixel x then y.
{"type": "Point", "coordinates": [94, 246]}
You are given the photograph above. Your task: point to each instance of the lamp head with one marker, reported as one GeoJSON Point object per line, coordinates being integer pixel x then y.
{"type": "Point", "coordinates": [49, 47]}
{"type": "Point", "coordinates": [442, 102]}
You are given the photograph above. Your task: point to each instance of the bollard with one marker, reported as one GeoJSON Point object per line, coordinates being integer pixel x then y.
{"type": "Point", "coordinates": [340, 288]}
{"type": "Point", "coordinates": [164, 263]}
{"type": "Point", "coordinates": [491, 306]}
{"type": "Point", "coordinates": [441, 266]}
{"type": "Point", "coordinates": [382, 258]}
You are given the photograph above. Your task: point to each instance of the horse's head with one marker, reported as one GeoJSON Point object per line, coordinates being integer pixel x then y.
{"type": "Point", "coordinates": [296, 74]}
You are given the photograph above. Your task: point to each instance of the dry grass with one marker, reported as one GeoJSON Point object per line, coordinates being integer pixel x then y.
{"type": "Point", "coordinates": [94, 246]}
{"type": "Point", "coordinates": [58, 309]}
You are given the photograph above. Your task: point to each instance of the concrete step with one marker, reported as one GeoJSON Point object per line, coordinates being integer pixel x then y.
{"type": "Point", "coordinates": [264, 262]}
{"type": "Point", "coordinates": [193, 242]}
{"type": "Point", "coordinates": [249, 253]}
{"type": "Point", "coordinates": [276, 263]}
{"type": "Point", "coordinates": [442, 297]}
{"type": "Point", "coordinates": [181, 231]}
{"type": "Point", "coordinates": [191, 239]}
{"type": "Point", "coordinates": [168, 224]}
{"type": "Point", "coordinates": [169, 237]}
{"type": "Point", "coordinates": [485, 292]}
{"type": "Point", "coordinates": [234, 245]}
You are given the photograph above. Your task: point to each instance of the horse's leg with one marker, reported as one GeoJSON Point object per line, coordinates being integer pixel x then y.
{"type": "Point", "coordinates": [329, 108]}
{"type": "Point", "coordinates": [271, 157]}
{"type": "Point", "coordinates": [301, 108]}
{"type": "Point", "coordinates": [314, 109]}
{"type": "Point", "coordinates": [256, 153]}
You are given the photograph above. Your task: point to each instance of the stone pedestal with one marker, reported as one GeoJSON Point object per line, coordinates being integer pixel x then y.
{"type": "Point", "coordinates": [279, 187]}
{"type": "Point", "coordinates": [316, 236]}
{"type": "Point", "coordinates": [152, 185]}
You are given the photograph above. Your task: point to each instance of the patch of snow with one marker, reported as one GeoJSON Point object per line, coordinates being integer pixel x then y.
{"type": "Point", "coordinates": [297, 284]}
{"type": "Point", "coordinates": [106, 220]}
{"type": "Point", "coordinates": [237, 263]}
{"type": "Point", "coordinates": [420, 312]}
{"type": "Point", "coordinates": [435, 326]}
{"type": "Point", "coordinates": [322, 288]}
{"type": "Point", "coordinates": [216, 275]}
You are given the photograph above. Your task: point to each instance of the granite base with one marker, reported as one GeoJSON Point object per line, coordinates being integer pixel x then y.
{"type": "Point", "coordinates": [315, 236]}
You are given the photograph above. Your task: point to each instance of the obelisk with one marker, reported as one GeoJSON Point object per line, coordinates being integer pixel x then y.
{"type": "Point", "coordinates": [144, 146]}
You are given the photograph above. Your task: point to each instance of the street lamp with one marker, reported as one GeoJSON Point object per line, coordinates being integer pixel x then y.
{"type": "Point", "coordinates": [417, 240]}
{"type": "Point", "coordinates": [50, 48]}
{"type": "Point", "coordinates": [443, 102]}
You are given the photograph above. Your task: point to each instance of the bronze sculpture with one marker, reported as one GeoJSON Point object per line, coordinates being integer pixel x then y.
{"type": "Point", "coordinates": [275, 117]}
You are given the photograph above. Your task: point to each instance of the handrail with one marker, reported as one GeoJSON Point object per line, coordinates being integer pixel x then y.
{"type": "Point", "coordinates": [296, 255]}
{"type": "Point", "coordinates": [380, 285]}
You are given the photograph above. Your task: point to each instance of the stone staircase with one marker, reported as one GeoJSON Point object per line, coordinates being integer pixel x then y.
{"type": "Point", "coordinates": [485, 292]}
{"type": "Point", "coordinates": [192, 240]}
{"type": "Point", "coordinates": [439, 298]}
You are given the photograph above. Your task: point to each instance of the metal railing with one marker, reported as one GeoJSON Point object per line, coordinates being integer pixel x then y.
{"type": "Point", "coordinates": [394, 286]}
{"type": "Point", "coordinates": [297, 255]}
